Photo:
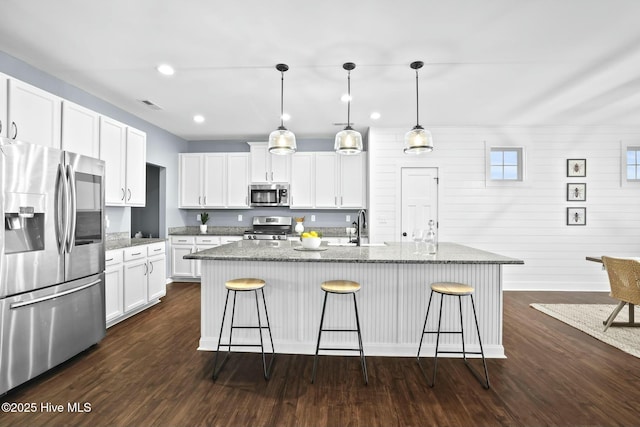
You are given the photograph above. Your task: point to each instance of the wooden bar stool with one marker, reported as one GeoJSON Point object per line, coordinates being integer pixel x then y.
{"type": "Point", "coordinates": [244, 285]}
{"type": "Point", "coordinates": [341, 287]}
{"type": "Point", "coordinates": [457, 290]}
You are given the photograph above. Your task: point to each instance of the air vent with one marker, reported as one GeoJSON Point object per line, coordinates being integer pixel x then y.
{"type": "Point", "coordinates": [150, 104]}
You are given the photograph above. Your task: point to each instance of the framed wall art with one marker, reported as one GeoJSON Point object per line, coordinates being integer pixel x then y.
{"type": "Point", "coordinates": [576, 216]}
{"type": "Point", "coordinates": [577, 167]}
{"type": "Point", "coordinates": [576, 192]}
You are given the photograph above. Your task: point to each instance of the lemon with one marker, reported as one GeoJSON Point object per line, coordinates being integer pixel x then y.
{"type": "Point", "coordinates": [313, 234]}
{"type": "Point", "coordinates": [305, 234]}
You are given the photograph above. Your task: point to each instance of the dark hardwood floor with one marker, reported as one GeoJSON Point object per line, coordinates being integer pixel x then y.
{"type": "Point", "coordinates": [147, 371]}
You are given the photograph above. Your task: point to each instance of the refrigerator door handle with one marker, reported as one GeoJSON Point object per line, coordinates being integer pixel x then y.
{"type": "Point", "coordinates": [71, 178]}
{"type": "Point", "coordinates": [61, 209]}
{"type": "Point", "coordinates": [50, 297]}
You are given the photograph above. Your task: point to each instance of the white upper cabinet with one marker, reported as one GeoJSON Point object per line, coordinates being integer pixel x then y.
{"type": "Point", "coordinates": [136, 169]}
{"type": "Point", "coordinates": [123, 150]}
{"type": "Point", "coordinates": [214, 180]}
{"type": "Point", "coordinates": [267, 167]}
{"type": "Point", "coordinates": [33, 115]}
{"type": "Point", "coordinates": [326, 180]}
{"type": "Point", "coordinates": [80, 130]}
{"type": "Point", "coordinates": [237, 180]}
{"type": "Point", "coordinates": [302, 180]}
{"type": "Point", "coordinates": [191, 181]}
{"type": "Point", "coordinates": [352, 181]}
{"type": "Point", "coordinates": [4, 101]}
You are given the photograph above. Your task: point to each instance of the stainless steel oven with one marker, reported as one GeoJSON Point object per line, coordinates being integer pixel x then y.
{"type": "Point", "coordinates": [269, 194]}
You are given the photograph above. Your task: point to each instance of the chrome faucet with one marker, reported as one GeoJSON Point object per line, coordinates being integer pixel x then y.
{"type": "Point", "coordinates": [361, 223]}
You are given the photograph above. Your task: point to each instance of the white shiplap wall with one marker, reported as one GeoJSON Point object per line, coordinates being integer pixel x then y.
{"type": "Point", "coordinates": [525, 220]}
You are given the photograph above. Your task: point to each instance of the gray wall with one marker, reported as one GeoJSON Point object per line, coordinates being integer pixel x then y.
{"type": "Point", "coordinates": [162, 146]}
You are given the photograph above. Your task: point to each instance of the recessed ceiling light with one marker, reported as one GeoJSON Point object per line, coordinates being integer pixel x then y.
{"type": "Point", "coordinates": [375, 115]}
{"type": "Point", "coordinates": [198, 118]}
{"type": "Point", "coordinates": [166, 69]}
{"type": "Point", "coordinates": [286, 117]}
{"type": "Point", "coordinates": [345, 98]}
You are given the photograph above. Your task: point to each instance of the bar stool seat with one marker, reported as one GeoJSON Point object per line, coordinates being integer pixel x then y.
{"type": "Point", "coordinates": [343, 287]}
{"type": "Point", "coordinates": [245, 284]}
{"type": "Point", "coordinates": [456, 290]}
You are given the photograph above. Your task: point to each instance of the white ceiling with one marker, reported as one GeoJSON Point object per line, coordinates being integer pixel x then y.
{"type": "Point", "coordinates": [490, 62]}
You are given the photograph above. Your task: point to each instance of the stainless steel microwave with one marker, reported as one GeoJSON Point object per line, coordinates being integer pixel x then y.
{"type": "Point", "coordinates": [269, 194]}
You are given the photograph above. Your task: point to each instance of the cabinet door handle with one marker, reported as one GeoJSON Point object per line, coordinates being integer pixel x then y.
{"type": "Point", "coordinates": [0, 126]}
{"type": "Point", "coordinates": [266, 176]}
{"type": "Point", "coordinates": [123, 194]}
{"type": "Point", "coordinates": [151, 264]}
{"type": "Point", "coordinates": [110, 259]}
{"type": "Point", "coordinates": [199, 200]}
{"type": "Point", "coordinates": [335, 200]}
{"type": "Point", "coordinates": [146, 269]}
{"type": "Point", "coordinates": [15, 130]}
{"type": "Point", "coordinates": [205, 200]}
{"type": "Point", "coordinates": [129, 191]}
{"type": "Point", "coordinates": [139, 253]}
{"type": "Point", "coordinates": [341, 202]}
{"type": "Point", "coordinates": [272, 176]}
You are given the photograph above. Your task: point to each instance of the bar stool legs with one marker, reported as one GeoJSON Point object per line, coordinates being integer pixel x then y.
{"type": "Point", "coordinates": [341, 287]}
{"type": "Point", "coordinates": [243, 285]}
{"type": "Point", "coordinates": [459, 290]}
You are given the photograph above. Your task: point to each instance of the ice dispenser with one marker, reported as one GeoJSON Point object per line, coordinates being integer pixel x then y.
{"type": "Point", "coordinates": [24, 221]}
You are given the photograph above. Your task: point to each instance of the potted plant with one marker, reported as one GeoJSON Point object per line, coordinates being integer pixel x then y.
{"type": "Point", "coordinates": [204, 217]}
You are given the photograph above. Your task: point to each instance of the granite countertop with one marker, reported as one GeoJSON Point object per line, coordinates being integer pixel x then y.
{"type": "Point", "coordinates": [239, 231]}
{"type": "Point", "coordinates": [397, 253]}
{"type": "Point", "coordinates": [130, 242]}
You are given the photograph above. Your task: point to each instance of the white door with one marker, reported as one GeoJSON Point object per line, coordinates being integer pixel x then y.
{"type": "Point", "coordinates": [4, 100]}
{"type": "Point", "coordinates": [237, 180]}
{"type": "Point", "coordinates": [326, 172]}
{"type": "Point", "coordinates": [34, 115]}
{"type": "Point", "coordinates": [136, 169]}
{"type": "Point", "coordinates": [191, 180]}
{"type": "Point", "coordinates": [80, 130]}
{"type": "Point", "coordinates": [419, 200]}
{"type": "Point", "coordinates": [156, 285]}
{"type": "Point", "coordinates": [113, 152]}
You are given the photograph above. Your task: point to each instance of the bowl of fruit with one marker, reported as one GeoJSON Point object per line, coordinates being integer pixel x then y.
{"type": "Point", "coordinates": [311, 240]}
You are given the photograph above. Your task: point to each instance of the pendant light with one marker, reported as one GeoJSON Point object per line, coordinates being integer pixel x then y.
{"type": "Point", "coordinates": [281, 140]}
{"type": "Point", "coordinates": [417, 140]}
{"type": "Point", "coordinates": [348, 140]}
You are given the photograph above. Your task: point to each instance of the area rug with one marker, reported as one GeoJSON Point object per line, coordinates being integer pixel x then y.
{"type": "Point", "coordinates": [588, 318]}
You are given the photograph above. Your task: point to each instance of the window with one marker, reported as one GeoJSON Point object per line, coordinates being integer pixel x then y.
{"type": "Point", "coordinates": [505, 164]}
{"type": "Point", "coordinates": [633, 163]}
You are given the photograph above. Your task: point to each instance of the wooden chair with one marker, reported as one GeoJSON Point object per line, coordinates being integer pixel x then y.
{"type": "Point", "coordinates": [624, 279]}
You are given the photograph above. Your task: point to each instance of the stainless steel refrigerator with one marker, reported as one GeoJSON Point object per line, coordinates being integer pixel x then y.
{"type": "Point", "coordinates": [51, 258]}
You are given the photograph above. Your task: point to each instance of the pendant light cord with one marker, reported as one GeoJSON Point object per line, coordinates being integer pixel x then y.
{"type": "Point", "coordinates": [417, 103]}
{"type": "Point", "coordinates": [349, 100]}
{"type": "Point", "coordinates": [281, 98]}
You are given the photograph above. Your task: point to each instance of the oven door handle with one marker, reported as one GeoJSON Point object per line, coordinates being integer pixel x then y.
{"type": "Point", "coordinates": [71, 178]}
{"type": "Point", "coordinates": [50, 297]}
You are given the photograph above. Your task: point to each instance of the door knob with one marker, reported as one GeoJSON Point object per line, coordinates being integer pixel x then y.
{"type": "Point", "coordinates": [404, 234]}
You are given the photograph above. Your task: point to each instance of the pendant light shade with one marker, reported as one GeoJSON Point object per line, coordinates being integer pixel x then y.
{"type": "Point", "coordinates": [348, 140]}
{"type": "Point", "coordinates": [417, 140]}
{"type": "Point", "coordinates": [282, 141]}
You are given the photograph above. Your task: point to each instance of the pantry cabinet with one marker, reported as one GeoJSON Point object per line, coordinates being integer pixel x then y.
{"type": "Point", "coordinates": [326, 180]}
{"type": "Point", "coordinates": [80, 130]}
{"type": "Point", "coordinates": [123, 150]}
{"type": "Point", "coordinates": [267, 167]}
{"type": "Point", "coordinates": [33, 115]}
{"type": "Point", "coordinates": [213, 180]}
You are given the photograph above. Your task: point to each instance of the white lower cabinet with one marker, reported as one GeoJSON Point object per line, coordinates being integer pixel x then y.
{"type": "Point", "coordinates": [184, 245]}
{"type": "Point", "coordinates": [135, 280]}
{"type": "Point", "coordinates": [114, 285]}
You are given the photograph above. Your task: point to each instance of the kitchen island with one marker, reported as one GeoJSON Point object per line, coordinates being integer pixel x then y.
{"type": "Point", "coordinates": [395, 280]}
